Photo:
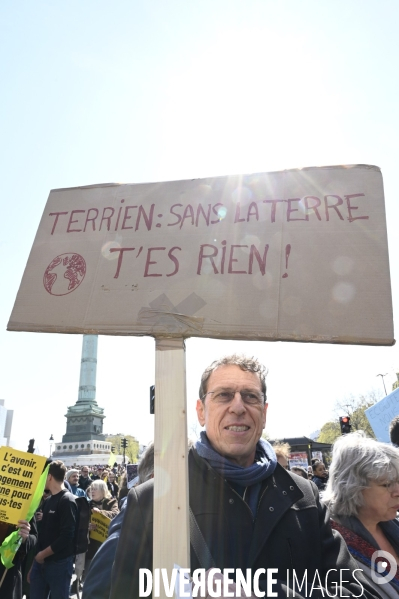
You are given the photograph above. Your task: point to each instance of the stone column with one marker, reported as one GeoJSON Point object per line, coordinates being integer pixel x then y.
{"type": "Point", "coordinates": [88, 370]}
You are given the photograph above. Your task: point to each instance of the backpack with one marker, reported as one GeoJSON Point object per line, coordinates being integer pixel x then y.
{"type": "Point", "coordinates": [81, 542]}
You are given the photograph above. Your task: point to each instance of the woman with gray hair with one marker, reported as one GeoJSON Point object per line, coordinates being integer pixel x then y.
{"type": "Point", "coordinates": [101, 502]}
{"type": "Point", "coordinates": [363, 497]}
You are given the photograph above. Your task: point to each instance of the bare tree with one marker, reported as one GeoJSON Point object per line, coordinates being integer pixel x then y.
{"type": "Point", "coordinates": [355, 407]}
{"type": "Point", "coordinates": [194, 430]}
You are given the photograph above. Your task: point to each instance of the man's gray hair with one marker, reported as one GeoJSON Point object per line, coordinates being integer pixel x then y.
{"type": "Point", "coordinates": [145, 468]}
{"type": "Point", "coordinates": [244, 362]}
{"type": "Point", "coordinates": [357, 461]}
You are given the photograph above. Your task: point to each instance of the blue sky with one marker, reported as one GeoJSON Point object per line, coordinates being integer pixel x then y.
{"type": "Point", "coordinates": [139, 91]}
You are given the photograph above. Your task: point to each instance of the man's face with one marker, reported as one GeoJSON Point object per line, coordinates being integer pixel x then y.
{"type": "Point", "coordinates": [233, 428]}
{"type": "Point", "coordinates": [74, 479]}
{"type": "Point", "coordinates": [85, 472]}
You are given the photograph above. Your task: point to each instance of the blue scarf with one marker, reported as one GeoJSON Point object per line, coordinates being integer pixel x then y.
{"type": "Point", "coordinates": [251, 477]}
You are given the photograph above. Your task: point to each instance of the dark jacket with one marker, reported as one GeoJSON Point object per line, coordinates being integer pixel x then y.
{"type": "Point", "coordinates": [291, 531]}
{"type": "Point", "coordinates": [58, 526]}
{"type": "Point", "coordinates": [113, 489]}
{"type": "Point", "coordinates": [84, 482]}
{"type": "Point", "coordinates": [320, 483]}
{"type": "Point", "coordinates": [123, 492]}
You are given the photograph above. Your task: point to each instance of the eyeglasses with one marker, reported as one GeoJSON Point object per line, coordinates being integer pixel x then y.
{"type": "Point", "coordinates": [390, 486]}
{"type": "Point", "coordinates": [226, 396]}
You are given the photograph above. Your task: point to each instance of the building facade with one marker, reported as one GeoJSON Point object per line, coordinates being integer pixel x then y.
{"type": "Point", "coordinates": [6, 417]}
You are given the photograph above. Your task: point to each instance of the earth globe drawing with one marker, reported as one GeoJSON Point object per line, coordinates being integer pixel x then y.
{"type": "Point", "coordinates": [64, 274]}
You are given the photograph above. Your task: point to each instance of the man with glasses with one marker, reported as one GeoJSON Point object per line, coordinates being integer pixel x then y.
{"type": "Point", "coordinates": [251, 513]}
{"type": "Point", "coordinates": [84, 478]}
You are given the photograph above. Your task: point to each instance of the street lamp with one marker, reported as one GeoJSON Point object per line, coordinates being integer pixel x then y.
{"type": "Point", "coordinates": [383, 382]}
{"type": "Point", "coordinates": [51, 439]}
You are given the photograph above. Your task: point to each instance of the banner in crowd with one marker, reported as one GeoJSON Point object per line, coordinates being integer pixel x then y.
{"type": "Point", "coordinates": [298, 255]}
{"type": "Point", "coordinates": [19, 476]}
{"type": "Point", "coordinates": [100, 533]}
{"type": "Point", "coordinates": [298, 459]}
{"type": "Point", "coordinates": [131, 474]}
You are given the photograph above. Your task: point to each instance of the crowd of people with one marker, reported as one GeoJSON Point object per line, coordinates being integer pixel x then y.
{"type": "Point", "coordinates": [316, 471]}
{"type": "Point", "coordinates": [321, 533]}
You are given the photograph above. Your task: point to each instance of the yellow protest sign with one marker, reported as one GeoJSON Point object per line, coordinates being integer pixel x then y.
{"type": "Point", "coordinates": [102, 524]}
{"type": "Point", "coordinates": [19, 475]}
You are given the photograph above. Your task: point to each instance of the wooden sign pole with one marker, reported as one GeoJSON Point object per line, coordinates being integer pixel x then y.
{"type": "Point", "coordinates": [171, 519]}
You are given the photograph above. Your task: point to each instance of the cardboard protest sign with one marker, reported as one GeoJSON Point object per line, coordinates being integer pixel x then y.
{"type": "Point", "coordinates": [297, 255]}
{"type": "Point", "coordinates": [102, 524]}
{"type": "Point", "coordinates": [381, 413]}
{"type": "Point", "coordinates": [19, 476]}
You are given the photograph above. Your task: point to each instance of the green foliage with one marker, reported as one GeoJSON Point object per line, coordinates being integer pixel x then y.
{"type": "Point", "coordinates": [132, 450]}
{"type": "Point", "coordinates": [329, 432]}
{"type": "Point", "coordinates": [354, 407]}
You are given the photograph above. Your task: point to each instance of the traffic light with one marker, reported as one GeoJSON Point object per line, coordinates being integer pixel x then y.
{"type": "Point", "coordinates": [152, 399]}
{"type": "Point", "coordinates": [345, 424]}
{"type": "Point", "coordinates": [113, 449]}
{"type": "Point", "coordinates": [124, 443]}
